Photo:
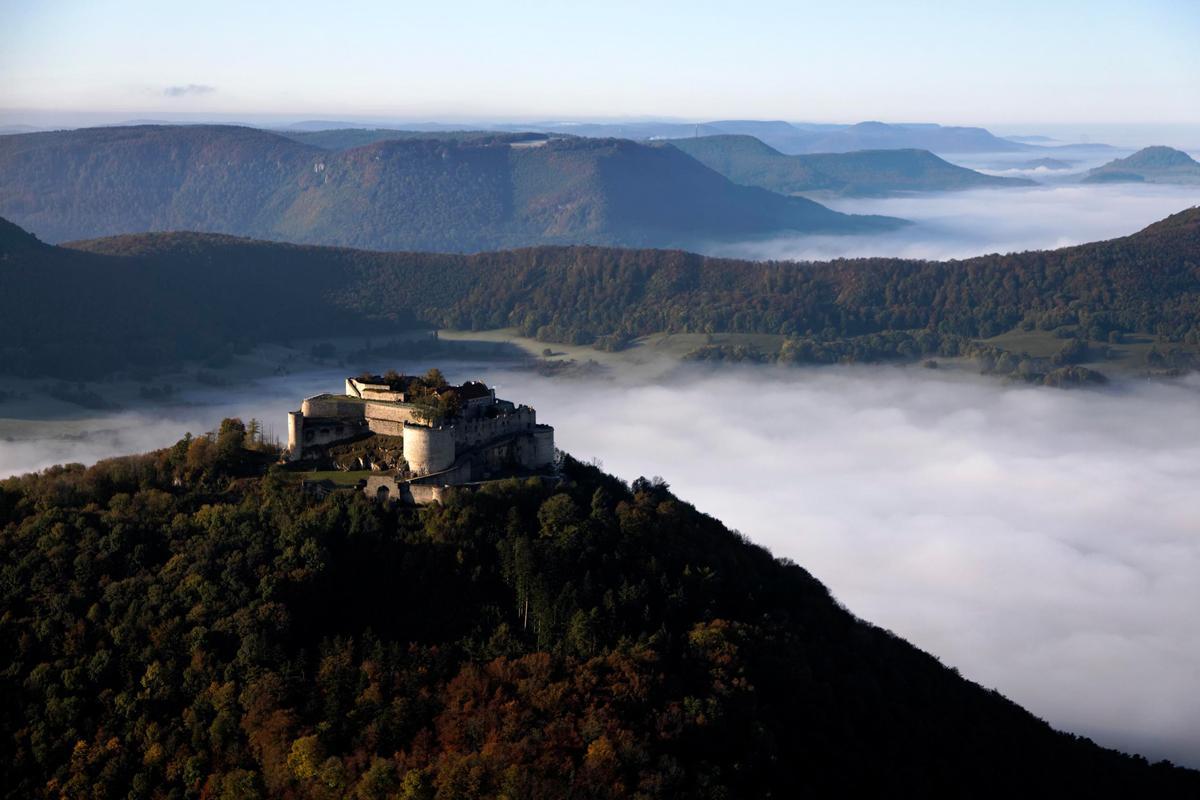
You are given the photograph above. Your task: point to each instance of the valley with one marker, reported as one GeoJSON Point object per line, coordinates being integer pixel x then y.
{"type": "Point", "coordinates": [632, 401]}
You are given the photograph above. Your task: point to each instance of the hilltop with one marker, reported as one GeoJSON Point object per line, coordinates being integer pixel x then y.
{"type": "Point", "coordinates": [937, 138]}
{"type": "Point", "coordinates": [1149, 165]}
{"type": "Point", "coordinates": [192, 622]}
{"type": "Point", "coordinates": [746, 160]}
{"type": "Point", "coordinates": [445, 194]}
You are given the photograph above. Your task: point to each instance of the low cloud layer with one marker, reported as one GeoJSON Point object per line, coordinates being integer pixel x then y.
{"type": "Point", "coordinates": [188, 90]}
{"type": "Point", "coordinates": [1046, 543]}
{"type": "Point", "coordinates": [971, 223]}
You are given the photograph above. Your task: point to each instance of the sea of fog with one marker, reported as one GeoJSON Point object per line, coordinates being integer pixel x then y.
{"type": "Point", "coordinates": [1046, 543]}
{"type": "Point", "coordinates": [971, 223]}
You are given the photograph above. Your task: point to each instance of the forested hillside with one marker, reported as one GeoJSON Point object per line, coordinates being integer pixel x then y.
{"type": "Point", "coordinates": [181, 624]}
{"type": "Point", "coordinates": [746, 160]}
{"type": "Point", "coordinates": [449, 193]}
{"type": "Point", "coordinates": [159, 298]}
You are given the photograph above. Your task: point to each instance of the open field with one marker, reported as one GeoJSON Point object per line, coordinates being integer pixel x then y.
{"type": "Point", "coordinates": [338, 477]}
{"type": "Point", "coordinates": [1127, 359]}
{"type": "Point", "coordinates": [662, 350]}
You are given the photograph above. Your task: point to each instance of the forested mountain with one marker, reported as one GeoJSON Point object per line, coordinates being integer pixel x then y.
{"type": "Point", "coordinates": [189, 624]}
{"type": "Point", "coordinates": [748, 161]}
{"type": "Point", "coordinates": [446, 194]}
{"type": "Point", "coordinates": [786, 137]}
{"type": "Point", "coordinates": [158, 299]}
{"type": "Point", "coordinates": [1149, 165]}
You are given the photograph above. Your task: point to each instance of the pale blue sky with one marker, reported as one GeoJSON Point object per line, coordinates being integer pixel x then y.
{"type": "Point", "coordinates": [950, 62]}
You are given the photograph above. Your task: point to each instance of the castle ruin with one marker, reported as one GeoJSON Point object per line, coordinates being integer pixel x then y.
{"type": "Point", "coordinates": [450, 435]}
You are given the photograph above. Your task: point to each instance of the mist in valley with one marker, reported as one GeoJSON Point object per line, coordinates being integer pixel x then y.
{"type": "Point", "coordinates": [979, 221]}
{"type": "Point", "coordinates": [1043, 542]}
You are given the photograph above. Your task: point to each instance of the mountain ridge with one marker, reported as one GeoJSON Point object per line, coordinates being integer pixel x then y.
{"type": "Point", "coordinates": [140, 301]}
{"type": "Point", "coordinates": [745, 159]}
{"type": "Point", "coordinates": [397, 194]}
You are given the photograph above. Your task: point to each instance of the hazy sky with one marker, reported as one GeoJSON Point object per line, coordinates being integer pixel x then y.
{"type": "Point", "coordinates": [951, 62]}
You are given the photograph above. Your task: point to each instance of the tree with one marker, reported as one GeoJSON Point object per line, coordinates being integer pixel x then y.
{"type": "Point", "coordinates": [254, 435]}
{"type": "Point", "coordinates": [1072, 352]}
{"type": "Point", "coordinates": [434, 379]}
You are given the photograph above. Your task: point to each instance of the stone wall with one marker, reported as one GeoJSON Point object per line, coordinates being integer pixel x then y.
{"type": "Point", "coordinates": [386, 489]}
{"type": "Point", "coordinates": [306, 431]}
{"type": "Point", "coordinates": [333, 405]}
{"type": "Point", "coordinates": [374, 391]}
{"type": "Point", "coordinates": [389, 419]}
{"type": "Point", "coordinates": [321, 431]}
{"type": "Point", "coordinates": [511, 437]}
{"type": "Point", "coordinates": [295, 434]}
{"type": "Point", "coordinates": [428, 449]}
{"type": "Point", "coordinates": [542, 454]}
{"type": "Point", "coordinates": [469, 433]}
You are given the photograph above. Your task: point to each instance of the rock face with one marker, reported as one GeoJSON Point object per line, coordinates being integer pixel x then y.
{"type": "Point", "coordinates": [376, 452]}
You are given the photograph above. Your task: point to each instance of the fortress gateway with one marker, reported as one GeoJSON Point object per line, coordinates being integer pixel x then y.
{"type": "Point", "coordinates": [419, 435]}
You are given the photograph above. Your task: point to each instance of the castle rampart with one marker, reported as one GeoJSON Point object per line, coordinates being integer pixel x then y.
{"type": "Point", "coordinates": [332, 405]}
{"type": "Point", "coordinates": [389, 418]}
{"type": "Point", "coordinates": [477, 436]}
{"type": "Point", "coordinates": [375, 391]}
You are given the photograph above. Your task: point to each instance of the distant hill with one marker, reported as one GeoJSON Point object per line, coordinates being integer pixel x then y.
{"type": "Point", "coordinates": [746, 160]}
{"type": "Point", "coordinates": [936, 138]}
{"type": "Point", "coordinates": [347, 138]}
{"type": "Point", "coordinates": [786, 137]}
{"type": "Point", "coordinates": [1043, 163]}
{"type": "Point", "coordinates": [146, 301]}
{"type": "Point", "coordinates": [445, 194]}
{"type": "Point", "coordinates": [800, 137]}
{"type": "Point", "coordinates": [1149, 165]}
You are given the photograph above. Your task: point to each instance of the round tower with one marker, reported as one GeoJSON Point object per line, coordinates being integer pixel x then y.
{"type": "Point", "coordinates": [295, 429]}
{"type": "Point", "coordinates": [428, 449]}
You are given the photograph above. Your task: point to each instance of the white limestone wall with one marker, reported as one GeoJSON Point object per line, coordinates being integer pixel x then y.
{"type": "Point", "coordinates": [428, 449]}
{"type": "Point", "coordinates": [332, 405]}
